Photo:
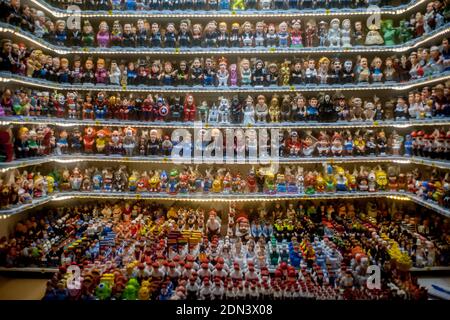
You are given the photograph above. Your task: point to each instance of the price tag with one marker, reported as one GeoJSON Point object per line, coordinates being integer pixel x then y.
{"type": "Point", "coordinates": [327, 12]}
{"type": "Point", "coordinates": [124, 87]}
{"type": "Point", "coordinates": [85, 49]}
{"type": "Point", "coordinates": [250, 125]}
{"type": "Point", "coordinates": [97, 122]}
{"type": "Point", "coordinates": [232, 12]}
{"type": "Point", "coordinates": [110, 12]}
{"type": "Point", "coordinates": [126, 159]}
{"type": "Point", "coordinates": [207, 126]}
{"type": "Point", "coordinates": [165, 160]}
{"type": "Point", "coordinates": [272, 50]}
{"type": "Point", "coordinates": [177, 50]}
{"type": "Point", "coordinates": [375, 123]}
{"type": "Point", "coordinates": [138, 196]}
{"type": "Point", "coordinates": [292, 88]}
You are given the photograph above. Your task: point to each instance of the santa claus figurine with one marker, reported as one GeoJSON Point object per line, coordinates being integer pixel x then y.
{"type": "Point", "coordinates": [251, 275]}
{"type": "Point", "coordinates": [242, 227]}
{"type": "Point", "coordinates": [205, 290]}
{"type": "Point", "coordinates": [204, 272]}
{"type": "Point", "coordinates": [217, 290]}
{"type": "Point", "coordinates": [192, 289]}
{"type": "Point", "coordinates": [236, 274]}
{"type": "Point", "coordinates": [219, 271]}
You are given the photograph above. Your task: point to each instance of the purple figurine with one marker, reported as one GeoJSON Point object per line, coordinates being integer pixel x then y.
{"type": "Point", "coordinates": [103, 35]}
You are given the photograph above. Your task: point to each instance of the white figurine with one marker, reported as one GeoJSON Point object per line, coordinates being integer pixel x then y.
{"type": "Point", "coordinates": [224, 110]}
{"type": "Point", "coordinates": [334, 34]}
{"type": "Point", "coordinates": [345, 33]}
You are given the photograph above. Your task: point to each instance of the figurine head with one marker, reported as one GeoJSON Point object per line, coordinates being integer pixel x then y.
{"type": "Point", "coordinates": [324, 63]}
{"type": "Point", "coordinates": [103, 26]}
{"type": "Point", "coordinates": [260, 26]}
{"type": "Point", "coordinates": [64, 63]}
{"type": "Point", "coordinates": [245, 64]}
{"type": "Point", "coordinates": [155, 27]}
{"type": "Point", "coordinates": [296, 25]}
{"type": "Point", "coordinates": [261, 99]}
{"type": "Point", "coordinates": [259, 65]}
{"type": "Point", "coordinates": [346, 24]}
{"type": "Point", "coordinates": [376, 62]}
{"type": "Point", "coordinates": [56, 62]}
{"type": "Point", "coordinates": [363, 62]}
{"type": "Point", "coordinates": [87, 27]}
{"type": "Point", "coordinates": [89, 64]}
{"type": "Point", "coordinates": [168, 68]}
{"type": "Point", "coordinates": [189, 100]}
{"type": "Point", "coordinates": [335, 24]}
{"type": "Point", "coordinates": [223, 27]}
{"type": "Point", "coordinates": [196, 63]}
{"type": "Point", "coordinates": [117, 27]}
{"type": "Point", "coordinates": [127, 28]}
{"type": "Point", "coordinates": [223, 64]}
{"type": "Point", "coordinates": [60, 25]}
{"type": "Point", "coordinates": [197, 29]}
{"type": "Point", "coordinates": [170, 27]}
{"type": "Point", "coordinates": [211, 26]}
{"type": "Point", "coordinates": [337, 65]}
{"type": "Point", "coordinates": [184, 25]}
{"type": "Point", "coordinates": [140, 24]}
{"type": "Point", "coordinates": [273, 67]}
{"type": "Point", "coordinates": [100, 63]}
{"type": "Point", "coordinates": [283, 26]}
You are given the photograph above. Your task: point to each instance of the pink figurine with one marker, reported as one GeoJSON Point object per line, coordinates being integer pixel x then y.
{"type": "Point", "coordinates": [233, 75]}
{"type": "Point", "coordinates": [103, 35]}
{"type": "Point", "coordinates": [101, 74]}
{"type": "Point", "coordinates": [296, 34]}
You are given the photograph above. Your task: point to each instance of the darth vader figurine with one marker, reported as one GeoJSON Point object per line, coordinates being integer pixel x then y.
{"type": "Point", "coordinates": [327, 110]}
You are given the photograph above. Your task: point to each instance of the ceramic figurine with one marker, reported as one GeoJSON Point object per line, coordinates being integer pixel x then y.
{"type": "Point", "coordinates": [222, 73]}
{"type": "Point", "coordinates": [334, 33]}
{"type": "Point", "coordinates": [389, 32]}
{"type": "Point", "coordinates": [363, 70]}
{"type": "Point", "coordinates": [311, 33]}
{"type": "Point", "coordinates": [283, 35]}
{"type": "Point", "coordinates": [296, 34]}
{"type": "Point", "coordinates": [346, 33]}
{"type": "Point", "coordinates": [358, 34]}
{"type": "Point", "coordinates": [323, 34]}
{"type": "Point", "coordinates": [261, 109]}
{"type": "Point", "coordinates": [249, 111]}
{"type": "Point", "coordinates": [373, 36]}
{"type": "Point", "coordinates": [377, 73]}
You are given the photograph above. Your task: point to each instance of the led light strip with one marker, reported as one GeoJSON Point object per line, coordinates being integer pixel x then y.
{"type": "Point", "coordinates": [69, 159]}
{"type": "Point", "coordinates": [65, 123]}
{"type": "Point", "coordinates": [415, 43]}
{"type": "Point", "coordinates": [6, 77]}
{"type": "Point", "coordinates": [60, 13]}
{"type": "Point", "coordinates": [211, 197]}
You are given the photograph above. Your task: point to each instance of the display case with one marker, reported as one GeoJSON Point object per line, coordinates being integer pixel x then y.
{"type": "Point", "coordinates": [229, 150]}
